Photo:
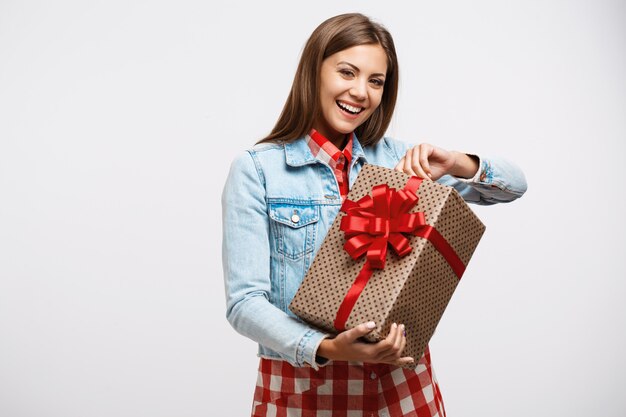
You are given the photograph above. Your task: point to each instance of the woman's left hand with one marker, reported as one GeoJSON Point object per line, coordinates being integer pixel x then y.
{"type": "Point", "coordinates": [431, 162]}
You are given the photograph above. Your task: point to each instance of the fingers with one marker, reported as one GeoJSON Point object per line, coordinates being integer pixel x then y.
{"type": "Point", "coordinates": [359, 331]}
{"type": "Point", "coordinates": [401, 339]}
{"type": "Point", "coordinates": [420, 160]}
{"type": "Point", "coordinates": [408, 162]}
{"type": "Point", "coordinates": [415, 161]}
{"type": "Point", "coordinates": [397, 336]}
{"type": "Point", "coordinates": [425, 152]}
{"type": "Point", "coordinates": [388, 350]}
{"type": "Point", "coordinates": [407, 360]}
{"type": "Point", "coordinates": [400, 165]}
{"type": "Point", "coordinates": [397, 342]}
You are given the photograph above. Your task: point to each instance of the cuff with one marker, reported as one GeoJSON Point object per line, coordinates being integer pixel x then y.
{"type": "Point", "coordinates": [308, 347]}
{"type": "Point", "coordinates": [319, 360]}
{"type": "Point", "coordinates": [484, 174]}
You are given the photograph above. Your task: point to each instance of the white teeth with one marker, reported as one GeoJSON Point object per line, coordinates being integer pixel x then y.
{"type": "Point", "coordinates": [349, 107]}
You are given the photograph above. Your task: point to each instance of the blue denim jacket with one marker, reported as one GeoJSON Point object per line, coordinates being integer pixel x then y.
{"type": "Point", "coordinates": [266, 250]}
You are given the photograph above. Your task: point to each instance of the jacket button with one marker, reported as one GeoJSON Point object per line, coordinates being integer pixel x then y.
{"type": "Point", "coordinates": [295, 218]}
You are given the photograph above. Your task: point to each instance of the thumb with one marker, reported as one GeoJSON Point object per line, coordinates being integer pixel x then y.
{"type": "Point", "coordinates": [400, 165]}
{"type": "Point", "coordinates": [360, 330]}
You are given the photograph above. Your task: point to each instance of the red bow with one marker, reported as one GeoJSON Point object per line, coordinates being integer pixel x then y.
{"type": "Point", "coordinates": [379, 220]}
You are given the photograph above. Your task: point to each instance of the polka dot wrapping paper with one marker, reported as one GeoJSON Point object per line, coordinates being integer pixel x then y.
{"type": "Point", "coordinates": [413, 289]}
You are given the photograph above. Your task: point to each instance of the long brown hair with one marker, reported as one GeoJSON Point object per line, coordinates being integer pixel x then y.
{"type": "Point", "coordinates": [334, 35]}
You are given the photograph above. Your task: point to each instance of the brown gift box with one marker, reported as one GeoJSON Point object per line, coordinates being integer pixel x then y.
{"type": "Point", "coordinates": [413, 289]}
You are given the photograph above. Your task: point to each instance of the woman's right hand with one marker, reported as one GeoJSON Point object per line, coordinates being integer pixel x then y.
{"type": "Point", "coordinates": [346, 346]}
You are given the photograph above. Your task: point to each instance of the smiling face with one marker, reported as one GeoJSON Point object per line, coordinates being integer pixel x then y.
{"type": "Point", "coordinates": [351, 88]}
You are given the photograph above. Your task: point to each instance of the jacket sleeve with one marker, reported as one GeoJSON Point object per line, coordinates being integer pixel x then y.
{"type": "Point", "coordinates": [496, 181]}
{"type": "Point", "coordinates": [246, 265]}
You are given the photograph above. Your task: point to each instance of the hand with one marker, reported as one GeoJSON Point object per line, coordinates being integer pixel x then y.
{"type": "Point", "coordinates": [431, 162]}
{"type": "Point", "coordinates": [346, 346]}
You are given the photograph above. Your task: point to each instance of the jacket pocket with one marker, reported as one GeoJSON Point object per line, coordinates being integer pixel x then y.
{"type": "Point", "coordinates": [293, 226]}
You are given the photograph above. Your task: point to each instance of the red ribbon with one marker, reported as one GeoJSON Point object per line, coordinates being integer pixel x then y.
{"type": "Point", "coordinates": [380, 220]}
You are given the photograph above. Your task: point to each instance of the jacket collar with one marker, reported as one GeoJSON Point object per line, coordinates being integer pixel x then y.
{"type": "Point", "coordinates": [297, 153]}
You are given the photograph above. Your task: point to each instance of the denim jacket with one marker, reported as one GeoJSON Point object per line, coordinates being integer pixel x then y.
{"type": "Point", "coordinates": [277, 205]}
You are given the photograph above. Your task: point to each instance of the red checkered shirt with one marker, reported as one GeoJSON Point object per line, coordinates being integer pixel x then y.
{"type": "Point", "coordinates": [325, 151]}
{"type": "Point", "coordinates": [345, 389]}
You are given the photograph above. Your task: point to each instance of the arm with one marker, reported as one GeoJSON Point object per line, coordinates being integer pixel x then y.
{"type": "Point", "coordinates": [477, 179]}
{"type": "Point", "coordinates": [246, 264]}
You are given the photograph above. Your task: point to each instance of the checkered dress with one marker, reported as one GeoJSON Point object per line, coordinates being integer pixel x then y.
{"type": "Point", "coordinates": [345, 389]}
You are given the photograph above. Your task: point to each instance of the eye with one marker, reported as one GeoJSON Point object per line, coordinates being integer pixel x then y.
{"type": "Point", "coordinates": [377, 82]}
{"type": "Point", "coordinates": [346, 72]}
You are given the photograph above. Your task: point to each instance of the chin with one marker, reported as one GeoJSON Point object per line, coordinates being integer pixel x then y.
{"type": "Point", "coordinates": [345, 129]}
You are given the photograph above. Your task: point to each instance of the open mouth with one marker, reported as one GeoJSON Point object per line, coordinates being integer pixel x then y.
{"type": "Point", "coordinates": [348, 108]}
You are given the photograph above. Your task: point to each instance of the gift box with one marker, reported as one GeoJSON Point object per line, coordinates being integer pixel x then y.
{"type": "Point", "coordinates": [394, 254]}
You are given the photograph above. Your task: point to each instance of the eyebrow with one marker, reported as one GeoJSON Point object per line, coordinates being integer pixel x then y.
{"type": "Point", "coordinates": [378, 74]}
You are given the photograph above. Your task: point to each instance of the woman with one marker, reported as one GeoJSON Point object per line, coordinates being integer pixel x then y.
{"type": "Point", "coordinates": [279, 201]}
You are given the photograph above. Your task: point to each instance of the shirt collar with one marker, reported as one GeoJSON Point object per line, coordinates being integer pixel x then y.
{"type": "Point", "coordinates": [298, 153]}
{"type": "Point", "coordinates": [325, 150]}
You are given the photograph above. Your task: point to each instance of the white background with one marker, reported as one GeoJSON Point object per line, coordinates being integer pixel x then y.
{"type": "Point", "coordinates": [119, 119]}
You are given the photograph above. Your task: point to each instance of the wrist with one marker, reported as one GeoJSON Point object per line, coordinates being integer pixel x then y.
{"type": "Point", "coordinates": [326, 349]}
{"type": "Point", "coordinates": [465, 166]}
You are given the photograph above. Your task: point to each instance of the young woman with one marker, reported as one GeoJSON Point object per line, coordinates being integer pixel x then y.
{"type": "Point", "coordinates": [279, 201]}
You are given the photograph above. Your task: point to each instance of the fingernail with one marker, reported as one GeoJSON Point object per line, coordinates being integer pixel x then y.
{"type": "Point", "coordinates": [394, 325]}
{"type": "Point", "coordinates": [370, 324]}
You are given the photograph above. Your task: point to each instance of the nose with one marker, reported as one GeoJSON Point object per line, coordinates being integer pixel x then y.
{"type": "Point", "coordinates": [359, 90]}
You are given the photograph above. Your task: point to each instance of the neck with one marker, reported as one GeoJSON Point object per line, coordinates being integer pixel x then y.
{"type": "Point", "coordinates": [336, 138]}
{"type": "Point", "coordinates": [340, 141]}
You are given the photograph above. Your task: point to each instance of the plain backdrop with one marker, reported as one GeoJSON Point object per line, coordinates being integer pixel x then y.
{"type": "Point", "coordinates": [119, 120]}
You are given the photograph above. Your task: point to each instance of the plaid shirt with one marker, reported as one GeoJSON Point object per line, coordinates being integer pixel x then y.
{"type": "Point", "coordinates": [345, 389]}
{"type": "Point", "coordinates": [325, 151]}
